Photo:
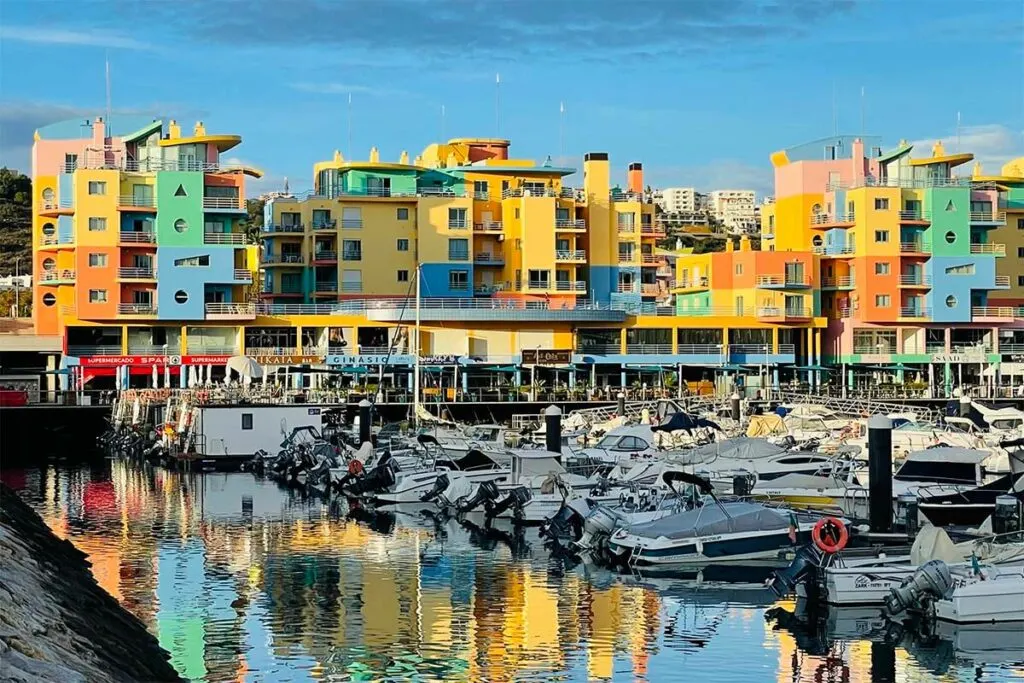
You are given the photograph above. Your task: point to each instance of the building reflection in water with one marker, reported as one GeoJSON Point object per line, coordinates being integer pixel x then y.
{"type": "Point", "coordinates": [242, 580]}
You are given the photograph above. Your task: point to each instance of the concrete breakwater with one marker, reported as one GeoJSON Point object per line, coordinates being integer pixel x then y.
{"type": "Point", "coordinates": [56, 622]}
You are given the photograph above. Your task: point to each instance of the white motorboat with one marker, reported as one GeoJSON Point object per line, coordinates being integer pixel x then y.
{"type": "Point", "coordinates": [971, 594]}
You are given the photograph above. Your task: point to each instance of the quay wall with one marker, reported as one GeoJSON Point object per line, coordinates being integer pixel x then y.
{"type": "Point", "coordinates": [56, 622]}
{"type": "Point", "coordinates": [29, 434]}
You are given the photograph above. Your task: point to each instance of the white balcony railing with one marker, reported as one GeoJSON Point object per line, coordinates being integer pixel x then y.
{"type": "Point", "coordinates": [627, 258]}
{"type": "Point", "coordinates": [988, 217]}
{"type": "Point", "coordinates": [992, 311]}
{"type": "Point", "coordinates": [841, 281]}
{"type": "Point", "coordinates": [832, 218]}
{"type": "Point", "coordinates": [137, 309]}
{"type": "Point", "coordinates": [1002, 281]}
{"type": "Point", "coordinates": [571, 255]}
{"type": "Point", "coordinates": [570, 224]}
{"type": "Point", "coordinates": [649, 349]}
{"type": "Point", "coordinates": [130, 273]}
{"type": "Point", "coordinates": [914, 215]}
{"type": "Point", "coordinates": [137, 237]}
{"type": "Point", "coordinates": [915, 280]}
{"type": "Point", "coordinates": [988, 248]}
{"type": "Point", "coordinates": [915, 247]}
{"type": "Point", "coordinates": [230, 203]}
{"type": "Point", "coordinates": [233, 309]}
{"type": "Point", "coordinates": [627, 228]}
{"type": "Point", "coordinates": [351, 223]}
{"type": "Point", "coordinates": [129, 200]}
{"type": "Point", "coordinates": [243, 275]}
{"type": "Point", "coordinates": [487, 226]}
{"type": "Point", "coordinates": [457, 223]}
{"type": "Point", "coordinates": [224, 238]}
{"type": "Point", "coordinates": [64, 275]}
{"type": "Point", "coordinates": [914, 312]}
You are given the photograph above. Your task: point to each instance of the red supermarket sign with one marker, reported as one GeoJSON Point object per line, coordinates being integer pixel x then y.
{"type": "Point", "coordinates": [107, 361]}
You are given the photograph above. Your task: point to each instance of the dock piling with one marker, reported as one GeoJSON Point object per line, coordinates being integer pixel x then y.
{"type": "Point", "coordinates": [880, 473]}
{"type": "Point", "coordinates": [365, 420]}
{"type": "Point", "coordinates": [734, 403]}
{"type": "Point", "coordinates": [553, 430]}
{"type": "Point", "coordinates": [621, 406]}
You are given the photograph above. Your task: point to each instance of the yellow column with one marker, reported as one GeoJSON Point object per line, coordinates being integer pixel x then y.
{"type": "Point", "coordinates": [240, 339]}
{"type": "Point", "coordinates": [675, 340]}
{"type": "Point", "coordinates": [184, 340]}
{"type": "Point", "coordinates": [124, 340]}
{"type": "Point", "coordinates": [725, 342]}
{"type": "Point", "coordinates": [622, 340]}
{"type": "Point", "coordinates": [298, 340]}
{"type": "Point", "coordinates": [775, 339]}
{"type": "Point", "coordinates": [817, 347]}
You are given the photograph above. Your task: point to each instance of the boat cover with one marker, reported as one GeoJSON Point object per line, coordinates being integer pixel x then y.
{"type": "Point", "coordinates": [710, 520]}
{"type": "Point", "coordinates": [801, 481]}
{"type": "Point", "coordinates": [739, 448]}
{"type": "Point", "coordinates": [954, 454]}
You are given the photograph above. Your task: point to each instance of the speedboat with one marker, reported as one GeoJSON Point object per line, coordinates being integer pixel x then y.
{"type": "Point", "coordinates": [712, 532]}
{"type": "Point", "coordinates": [971, 594]}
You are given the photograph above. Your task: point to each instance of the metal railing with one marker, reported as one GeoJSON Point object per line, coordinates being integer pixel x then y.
{"type": "Point", "coordinates": [988, 248]}
{"type": "Point", "coordinates": [620, 196]}
{"type": "Point", "coordinates": [570, 224]}
{"type": "Point", "coordinates": [915, 279]}
{"type": "Point", "coordinates": [915, 215]}
{"type": "Point", "coordinates": [571, 255]}
{"type": "Point", "coordinates": [136, 273]}
{"type": "Point", "coordinates": [130, 200]}
{"type": "Point", "coordinates": [649, 288]}
{"type": "Point", "coordinates": [782, 281]}
{"type": "Point", "coordinates": [1002, 281]}
{"type": "Point", "coordinates": [915, 247]}
{"type": "Point", "coordinates": [567, 193]}
{"type": "Point", "coordinates": [626, 228]}
{"type": "Point", "coordinates": [263, 351]}
{"type": "Point", "coordinates": [841, 281]}
{"type": "Point", "coordinates": [906, 183]}
{"type": "Point", "coordinates": [351, 287]}
{"type": "Point", "coordinates": [290, 259]}
{"type": "Point", "coordinates": [64, 275]}
{"type": "Point", "coordinates": [225, 238]}
{"type": "Point", "coordinates": [101, 350]}
{"type": "Point", "coordinates": [48, 240]}
{"type": "Point", "coordinates": [242, 275]}
{"type": "Point", "coordinates": [628, 288]}
{"type": "Point", "coordinates": [326, 286]}
{"type": "Point", "coordinates": [988, 216]}
{"type": "Point", "coordinates": [782, 312]}
{"type": "Point", "coordinates": [833, 218]}
{"type": "Point", "coordinates": [55, 204]}
{"type": "Point", "coordinates": [246, 308]}
{"type": "Point", "coordinates": [487, 226]}
{"type": "Point", "coordinates": [628, 258]}
{"type": "Point", "coordinates": [137, 237]}
{"type": "Point", "coordinates": [484, 257]}
{"type": "Point", "coordinates": [154, 350]}
{"type": "Point", "coordinates": [458, 286]}
{"type": "Point", "coordinates": [296, 228]}
{"type": "Point", "coordinates": [914, 312]}
{"type": "Point", "coordinates": [695, 283]}
{"type": "Point", "coordinates": [701, 349]}
{"type": "Point", "coordinates": [137, 309]}
{"type": "Point", "coordinates": [330, 224]}
{"type": "Point", "coordinates": [351, 223]}
{"type": "Point", "coordinates": [874, 348]}
{"type": "Point", "coordinates": [570, 286]}
{"type": "Point", "coordinates": [649, 349]}
{"type": "Point", "coordinates": [648, 229]}
{"type": "Point", "coordinates": [992, 311]}
{"type": "Point", "coordinates": [1011, 347]}
{"type": "Point", "coordinates": [528, 192]}
{"type": "Point", "coordinates": [427, 191]}
{"type": "Point", "coordinates": [325, 255]}
{"type": "Point", "coordinates": [652, 259]}
{"type": "Point", "coordinates": [232, 203]}
{"type": "Point", "coordinates": [831, 250]}
{"type": "Point", "coordinates": [600, 349]}
{"type": "Point", "coordinates": [457, 223]}
{"type": "Point", "coordinates": [458, 256]}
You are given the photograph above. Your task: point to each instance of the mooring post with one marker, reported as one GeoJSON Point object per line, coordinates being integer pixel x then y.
{"type": "Point", "coordinates": [553, 430]}
{"type": "Point", "coordinates": [621, 405]}
{"type": "Point", "coordinates": [365, 421]}
{"type": "Point", "coordinates": [965, 406]}
{"type": "Point", "coordinates": [735, 405]}
{"type": "Point", "coordinates": [880, 473]}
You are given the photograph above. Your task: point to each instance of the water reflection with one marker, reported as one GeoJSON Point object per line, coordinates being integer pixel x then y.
{"type": "Point", "coordinates": [242, 580]}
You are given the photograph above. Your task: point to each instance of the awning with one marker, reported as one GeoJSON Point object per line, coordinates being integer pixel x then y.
{"type": "Point", "coordinates": [814, 368]}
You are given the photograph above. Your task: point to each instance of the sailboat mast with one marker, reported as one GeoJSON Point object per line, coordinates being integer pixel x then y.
{"type": "Point", "coordinates": [416, 355]}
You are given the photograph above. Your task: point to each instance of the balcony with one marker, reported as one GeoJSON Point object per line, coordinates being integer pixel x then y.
{"type": "Point", "coordinates": [458, 256]}
{"type": "Point", "coordinates": [351, 223]}
{"type": "Point", "coordinates": [988, 248]}
{"type": "Point", "coordinates": [294, 229]}
{"type": "Point", "coordinates": [48, 241]}
{"type": "Point", "coordinates": [128, 202]}
{"type": "Point", "coordinates": [628, 258]}
{"type": "Point", "coordinates": [488, 226]}
{"type": "Point", "coordinates": [103, 350]}
{"type": "Point", "coordinates": [986, 314]}
{"type": "Point", "coordinates": [225, 238]}
{"type": "Point", "coordinates": [628, 288]}
{"type": "Point", "coordinates": [782, 282]}
{"type": "Point", "coordinates": [782, 313]}
{"type": "Point", "coordinates": [1002, 282]}
{"type": "Point", "coordinates": [697, 283]}
{"type": "Point", "coordinates": [649, 349]}
{"type": "Point", "coordinates": [993, 217]}
{"type": "Point", "coordinates": [351, 287]}
{"type": "Point", "coordinates": [486, 259]}
{"type": "Point", "coordinates": [656, 230]}
{"type": "Point", "coordinates": [620, 196]}
{"type": "Point", "coordinates": [130, 273]}
{"type": "Point", "coordinates": [325, 257]}
{"type": "Point", "coordinates": [323, 287]}
{"type": "Point", "coordinates": [230, 311]}
{"type": "Point", "coordinates": [915, 216]}
{"type": "Point", "coordinates": [283, 292]}
{"type": "Point", "coordinates": [283, 260]}
{"type": "Point", "coordinates": [558, 286]}
{"type": "Point", "coordinates": [915, 280]}
{"type": "Point", "coordinates": [137, 309]}
{"type": "Point", "coordinates": [528, 192]}
{"type": "Point", "coordinates": [56, 277]}
{"type": "Point", "coordinates": [137, 237]}
{"type": "Point", "coordinates": [652, 260]}
{"type": "Point", "coordinates": [650, 288]}
{"type": "Point", "coordinates": [458, 286]}
{"type": "Point", "coordinates": [915, 247]}
{"type": "Point", "coordinates": [234, 204]}
{"type": "Point", "coordinates": [457, 224]}
{"type": "Point", "coordinates": [570, 225]}
{"type": "Point", "coordinates": [243, 275]}
{"type": "Point", "coordinates": [482, 309]}
{"type": "Point", "coordinates": [833, 220]}
{"type": "Point", "coordinates": [331, 224]}
{"type": "Point", "coordinates": [571, 256]}
{"type": "Point", "coordinates": [833, 251]}
{"type": "Point", "coordinates": [627, 228]}
{"type": "Point", "coordinates": [56, 206]}
{"type": "Point", "coordinates": [840, 282]}
{"type": "Point", "coordinates": [915, 312]}
{"type": "Point", "coordinates": [612, 349]}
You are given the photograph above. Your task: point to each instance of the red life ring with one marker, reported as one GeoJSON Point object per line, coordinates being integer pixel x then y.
{"type": "Point", "coordinates": [830, 535]}
{"type": "Point", "coordinates": [355, 468]}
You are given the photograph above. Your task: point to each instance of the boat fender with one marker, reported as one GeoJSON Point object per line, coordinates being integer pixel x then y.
{"type": "Point", "coordinates": [830, 535]}
{"type": "Point", "coordinates": [355, 468]}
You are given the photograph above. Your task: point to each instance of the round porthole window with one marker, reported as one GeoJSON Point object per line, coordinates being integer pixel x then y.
{"type": "Point", "coordinates": [49, 264]}
{"type": "Point", "coordinates": [817, 241]}
{"type": "Point", "coordinates": [181, 296]}
{"type": "Point", "coordinates": [950, 237]}
{"type": "Point", "coordinates": [180, 225]}
{"type": "Point", "coordinates": [49, 299]}
{"type": "Point", "coordinates": [951, 301]}
{"type": "Point", "coordinates": [48, 229]}
{"type": "Point", "coordinates": [48, 194]}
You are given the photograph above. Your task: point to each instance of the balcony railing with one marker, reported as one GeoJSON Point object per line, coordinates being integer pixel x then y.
{"type": "Point", "coordinates": [1002, 281]}
{"type": "Point", "coordinates": [782, 312]}
{"type": "Point", "coordinates": [213, 349]}
{"type": "Point", "coordinates": [620, 196]}
{"type": "Point", "coordinates": [325, 225]}
{"type": "Point", "coordinates": [833, 218]}
{"type": "Point", "coordinates": [230, 203]}
{"type": "Point", "coordinates": [915, 312]}
{"type": "Point", "coordinates": [487, 226]}
{"type": "Point", "coordinates": [296, 228]}
{"type": "Point", "coordinates": [988, 248]}
{"type": "Point", "coordinates": [154, 350]}
{"type": "Point", "coordinates": [988, 217]}
{"type": "Point", "coordinates": [782, 281]}
{"type": "Point", "coordinates": [48, 240]}
{"type": "Point", "coordinates": [326, 286]}
{"type": "Point", "coordinates": [628, 258]}
{"type": "Point", "coordinates": [528, 192]}
{"type": "Point", "coordinates": [570, 224]}
{"type": "Point", "coordinates": [915, 247]}
{"type": "Point", "coordinates": [627, 228]}
{"type": "Point", "coordinates": [129, 273]}
{"type": "Point", "coordinates": [915, 280]}
{"type": "Point", "coordinates": [137, 309]}
{"type": "Point", "coordinates": [840, 282]}
{"type": "Point", "coordinates": [571, 255]}
{"type": "Point", "coordinates": [650, 288]}
{"type": "Point", "coordinates": [694, 283]}
{"type": "Point", "coordinates": [457, 223]}
{"type": "Point", "coordinates": [351, 223]}
{"type": "Point", "coordinates": [652, 259]}
{"type": "Point", "coordinates": [325, 255]}
{"type": "Point", "coordinates": [225, 238]}
{"type": "Point", "coordinates": [649, 349]}
{"type": "Point", "coordinates": [628, 288]}
{"type": "Point", "coordinates": [484, 257]}
{"type": "Point", "coordinates": [351, 287]}
{"type": "Point", "coordinates": [137, 237]}
{"type": "Point", "coordinates": [647, 229]}
{"type": "Point", "coordinates": [833, 250]}
{"type": "Point", "coordinates": [458, 256]}
{"type": "Point", "coordinates": [600, 349]}
{"type": "Point", "coordinates": [291, 259]}
{"type": "Point", "coordinates": [992, 311]}
{"type": "Point", "coordinates": [243, 275]}
{"type": "Point", "coordinates": [129, 200]}
{"type": "Point", "coordinates": [54, 204]}
{"type": "Point", "coordinates": [700, 349]}
{"type": "Point", "coordinates": [102, 350]}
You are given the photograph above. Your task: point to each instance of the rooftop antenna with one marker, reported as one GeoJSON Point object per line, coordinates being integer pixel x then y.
{"type": "Point", "coordinates": [349, 153]}
{"type": "Point", "coordinates": [561, 133]}
{"type": "Point", "coordinates": [835, 112]}
{"type": "Point", "coordinates": [958, 132]}
{"type": "Point", "coordinates": [107, 119]}
{"type": "Point", "coordinates": [497, 102]}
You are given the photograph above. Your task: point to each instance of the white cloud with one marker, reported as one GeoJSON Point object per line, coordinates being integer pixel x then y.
{"type": "Point", "coordinates": [992, 144]}
{"type": "Point", "coordinates": [59, 36]}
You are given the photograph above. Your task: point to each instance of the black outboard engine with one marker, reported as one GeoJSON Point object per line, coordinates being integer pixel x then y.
{"type": "Point", "coordinates": [440, 485]}
{"type": "Point", "coordinates": [742, 485]}
{"type": "Point", "coordinates": [516, 499]}
{"type": "Point", "coordinates": [801, 570]}
{"type": "Point", "coordinates": [378, 479]}
{"type": "Point", "coordinates": [485, 495]}
{"type": "Point", "coordinates": [564, 525]}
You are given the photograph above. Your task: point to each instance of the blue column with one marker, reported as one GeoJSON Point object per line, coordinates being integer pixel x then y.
{"type": "Point", "coordinates": [572, 379]}
{"type": "Point", "coordinates": [622, 377]}
{"type": "Point", "coordinates": [465, 381]}
{"type": "Point", "coordinates": [183, 376]}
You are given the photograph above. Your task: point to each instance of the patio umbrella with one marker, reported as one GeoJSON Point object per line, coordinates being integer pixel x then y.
{"type": "Point", "coordinates": [156, 377]}
{"type": "Point", "coordinates": [167, 376]}
{"type": "Point", "coordinates": [209, 373]}
{"type": "Point", "coordinates": [245, 367]}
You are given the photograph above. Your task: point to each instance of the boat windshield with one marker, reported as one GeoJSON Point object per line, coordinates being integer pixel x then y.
{"type": "Point", "coordinates": [483, 433]}
{"type": "Point", "coordinates": [608, 441]}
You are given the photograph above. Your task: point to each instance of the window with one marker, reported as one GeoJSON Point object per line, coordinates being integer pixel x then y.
{"type": "Point", "coordinates": [181, 296]}
{"type": "Point", "coordinates": [97, 296]}
{"type": "Point", "coordinates": [96, 261]}
{"type": "Point", "coordinates": [403, 245]}
{"type": "Point", "coordinates": [49, 230]}
{"type": "Point", "coordinates": [966, 269]}
{"type": "Point", "coordinates": [739, 269]}
{"type": "Point", "coordinates": [480, 189]}
{"type": "Point", "coordinates": [351, 217]}
{"type": "Point", "coordinates": [49, 264]}
{"type": "Point", "coordinates": [97, 224]}
{"type": "Point", "coordinates": [403, 213]}
{"type": "Point", "coordinates": [193, 261]}
{"type": "Point", "coordinates": [246, 421]}
{"type": "Point", "coordinates": [321, 218]}
{"type": "Point", "coordinates": [883, 301]}
{"type": "Point", "coordinates": [1020, 280]}
{"type": "Point", "coordinates": [830, 153]}
{"type": "Point", "coordinates": [950, 237]}
{"type": "Point", "coordinates": [70, 162]}
{"type": "Point", "coordinates": [458, 250]}
{"type": "Point", "coordinates": [625, 222]}
{"type": "Point", "coordinates": [458, 280]}
{"type": "Point", "coordinates": [180, 225]}
{"type": "Point", "coordinates": [352, 250]}
{"type": "Point", "coordinates": [950, 206]}
{"type": "Point", "coordinates": [882, 268]}
{"type": "Point", "coordinates": [1020, 252]}
{"type": "Point", "coordinates": [881, 204]}
{"type": "Point", "coordinates": [739, 305]}
{"type": "Point", "coordinates": [456, 218]}
{"type": "Point", "coordinates": [817, 241]}
{"type": "Point", "coordinates": [403, 276]}
{"type": "Point", "coordinates": [950, 301]}
{"type": "Point", "coordinates": [49, 299]}
{"type": "Point", "coordinates": [539, 279]}
{"type": "Point", "coordinates": [881, 235]}
{"type": "Point", "coordinates": [771, 221]}
{"type": "Point", "coordinates": [97, 187]}
{"type": "Point", "coordinates": [351, 280]}
{"type": "Point", "coordinates": [1020, 223]}
{"type": "Point", "coordinates": [517, 212]}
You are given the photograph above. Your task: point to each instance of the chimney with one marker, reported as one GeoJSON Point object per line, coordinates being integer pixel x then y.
{"type": "Point", "coordinates": [729, 245]}
{"type": "Point", "coordinates": [635, 177]}
{"type": "Point", "coordinates": [745, 243]}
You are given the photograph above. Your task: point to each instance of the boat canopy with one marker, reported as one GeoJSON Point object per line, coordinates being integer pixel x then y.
{"type": "Point", "coordinates": [739, 448]}
{"type": "Point", "coordinates": [712, 520]}
{"type": "Point", "coordinates": [951, 454]}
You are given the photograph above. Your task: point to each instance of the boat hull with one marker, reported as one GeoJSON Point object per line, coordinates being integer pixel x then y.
{"type": "Point", "coordinates": [410, 487]}
{"type": "Point", "coordinates": [725, 548]}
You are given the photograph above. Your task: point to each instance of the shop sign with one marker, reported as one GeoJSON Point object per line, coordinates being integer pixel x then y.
{"type": "Point", "coordinates": [547, 356]}
{"type": "Point", "coordinates": [289, 360]}
{"type": "Point", "coordinates": [1013, 357]}
{"type": "Point", "coordinates": [112, 361]}
{"type": "Point", "coordinates": [439, 360]}
{"type": "Point", "coordinates": [958, 358]}
{"type": "Point", "coordinates": [371, 359]}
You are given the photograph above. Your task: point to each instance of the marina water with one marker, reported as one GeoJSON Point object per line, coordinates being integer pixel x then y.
{"type": "Point", "coordinates": [241, 579]}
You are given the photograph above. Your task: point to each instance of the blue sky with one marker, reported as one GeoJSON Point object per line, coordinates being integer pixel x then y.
{"type": "Point", "coordinates": [700, 91]}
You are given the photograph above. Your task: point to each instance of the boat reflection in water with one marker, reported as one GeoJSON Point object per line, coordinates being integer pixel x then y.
{"type": "Point", "coordinates": [243, 580]}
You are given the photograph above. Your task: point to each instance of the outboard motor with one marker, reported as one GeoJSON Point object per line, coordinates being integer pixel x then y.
{"type": "Point", "coordinates": [567, 523]}
{"type": "Point", "coordinates": [805, 564]}
{"type": "Point", "coordinates": [485, 495]}
{"type": "Point", "coordinates": [1006, 518]}
{"type": "Point", "coordinates": [440, 484]}
{"type": "Point", "coordinates": [378, 479]}
{"type": "Point", "coordinates": [599, 524]}
{"type": "Point", "coordinates": [930, 582]}
{"type": "Point", "coordinates": [516, 499]}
